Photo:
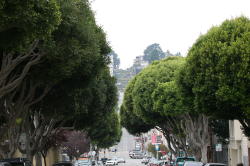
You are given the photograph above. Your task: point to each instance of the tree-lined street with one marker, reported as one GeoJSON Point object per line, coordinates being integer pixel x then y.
{"type": "Point", "coordinates": [64, 100]}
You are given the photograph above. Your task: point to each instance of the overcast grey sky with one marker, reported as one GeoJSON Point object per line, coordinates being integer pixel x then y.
{"type": "Point", "coordinates": [132, 25]}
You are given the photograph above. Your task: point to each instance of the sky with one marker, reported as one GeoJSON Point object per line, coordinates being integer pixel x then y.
{"type": "Point", "coordinates": [132, 25]}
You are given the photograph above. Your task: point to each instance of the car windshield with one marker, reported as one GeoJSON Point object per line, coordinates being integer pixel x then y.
{"type": "Point", "coordinates": [83, 161]}
{"type": "Point", "coordinates": [184, 159]}
{"type": "Point", "coordinates": [17, 164]}
{"type": "Point", "coordinates": [63, 164]}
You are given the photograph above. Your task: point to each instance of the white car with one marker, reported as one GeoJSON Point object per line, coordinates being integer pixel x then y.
{"type": "Point", "coordinates": [83, 163]}
{"type": "Point", "coordinates": [120, 160]}
{"type": "Point", "coordinates": [215, 164]}
{"type": "Point", "coordinates": [193, 163]}
{"type": "Point", "coordinates": [111, 162]}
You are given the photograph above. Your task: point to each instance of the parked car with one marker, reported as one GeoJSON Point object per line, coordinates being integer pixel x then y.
{"type": "Point", "coordinates": [215, 164]}
{"type": "Point", "coordinates": [111, 162]}
{"type": "Point", "coordinates": [104, 160]}
{"type": "Point", "coordinates": [193, 163]}
{"type": "Point", "coordinates": [151, 161]}
{"type": "Point", "coordinates": [154, 162]}
{"type": "Point", "coordinates": [86, 162]}
{"type": "Point", "coordinates": [121, 160]}
{"type": "Point", "coordinates": [145, 161]}
{"type": "Point", "coordinates": [63, 163]}
{"type": "Point", "coordinates": [17, 161]}
{"type": "Point", "coordinates": [180, 160]}
{"type": "Point", "coordinates": [164, 163]}
{"type": "Point", "coordinates": [5, 164]}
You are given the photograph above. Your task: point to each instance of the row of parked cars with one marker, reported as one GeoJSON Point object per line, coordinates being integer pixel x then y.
{"type": "Point", "coordinates": [180, 161]}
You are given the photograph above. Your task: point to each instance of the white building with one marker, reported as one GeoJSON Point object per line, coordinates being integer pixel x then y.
{"type": "Point", "coordinates": [139, 64]}
{"type": "Point", "coordinates": [239, 146]}
{"type": "Point", "coordinates": [111, 65]}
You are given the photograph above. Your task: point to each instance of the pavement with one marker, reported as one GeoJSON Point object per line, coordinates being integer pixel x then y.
{"type": "Point", "coordinates": [126, 144]}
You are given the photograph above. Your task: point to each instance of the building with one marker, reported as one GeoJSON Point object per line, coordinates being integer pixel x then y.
{"type": "Point", "coordinates": [239, 145]}
{"type": "Point", "coordinates": [139, 64]}
{"type": "Point", "coordinates": [111, 65]}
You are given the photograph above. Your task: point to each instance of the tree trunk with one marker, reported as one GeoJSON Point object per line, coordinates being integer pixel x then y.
{"type": "Point", "coordinates": [44, 159]}
{"type": "Point", "coordinates": [38, 159]}
{"type": "Point", "coordinates": [204, 153]}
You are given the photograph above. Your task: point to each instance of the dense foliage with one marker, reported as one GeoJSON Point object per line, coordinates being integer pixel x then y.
{"type": "Point", "coordinates": [140, 112]}
{"type": "Point", "coordinates": [153, 52]}
{"type": "Point", "coordinates": [55, 61]}
{"type": "Point", "coordinates": [216, 76]}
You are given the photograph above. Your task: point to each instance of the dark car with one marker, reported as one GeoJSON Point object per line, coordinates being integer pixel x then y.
{"type": "Point", "coordinates": [17, 161]}
{"type": "Point", "coordinates": [63, 163]}
{"type": "Point", "coordinates": [104, 160]}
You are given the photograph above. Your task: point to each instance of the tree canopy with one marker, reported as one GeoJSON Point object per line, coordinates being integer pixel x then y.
{"type": "Point", "coordinates": [153, 52]}
{"type": "Point", "coordinates": [216, 76]}
{"type": "Point", "coordinates": [56, 75]}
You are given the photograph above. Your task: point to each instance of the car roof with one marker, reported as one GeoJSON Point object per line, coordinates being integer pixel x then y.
{"type": "Point", "coordinates": [215, 164]}
{"type": "Point", "coordinates": [63, 163]}
{"type": "Point", "coordinates": [193, 163]}
{"type": "Point", "coordinates": [11, 160]}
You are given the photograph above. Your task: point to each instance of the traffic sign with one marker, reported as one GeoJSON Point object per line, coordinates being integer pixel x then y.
{"type": "Point", "coordinates": [157, 147]}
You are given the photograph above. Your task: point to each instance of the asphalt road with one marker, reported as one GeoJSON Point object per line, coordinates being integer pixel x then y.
{"type": "Point", "coordinates": [132, 162]}
{"type": "Point", "coordinates": [126, 144]}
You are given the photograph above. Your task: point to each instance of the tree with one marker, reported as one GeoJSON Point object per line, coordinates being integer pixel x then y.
{"type": "Point", "coordinates": [153, 52]}
{"type": "Point", "coordinates": [154, 96]}
{"type": "Point", "coordinates": [77, 143]}
{"type": "Point", "coordinates": [220, 128]}
{"type": "Point", "coordinates": [23, 25]}
{"type": "Point", "coordinates": [75, 57]}
{"type": "Point", "coordinates": [106, 131]}
{"type": "Point", "coordinates": [216, 77]}
{"type": "Point", "coordinates": [132, 122]}
{"type": "Point", "coordinates": [138, 103]}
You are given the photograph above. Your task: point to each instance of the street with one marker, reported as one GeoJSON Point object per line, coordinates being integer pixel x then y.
{"type": "Point", "coordinates": [126, 144]}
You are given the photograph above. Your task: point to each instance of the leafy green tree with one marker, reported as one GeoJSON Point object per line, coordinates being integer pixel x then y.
{"type": "Point", "coordinates": [216, 78]}
{"type": "Point", "coordinates": [221, 129]}
{"type": "Point", "coordinates": [105, 131]}
{"type": "Point", "coordinates": [23, 25]}
{"type": "Point", "coordinates": [22, 22]}
{"type": "Point", "coordinates": [154, 97]}
{"type": "Point", "coordinates": [139, 103]}
{"type": "Point", "coordinates": [132, 122]}
{"type": "Point", "coordinates": [153, 52]}
{"type": "Point", "coordinates": [73, 67]}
